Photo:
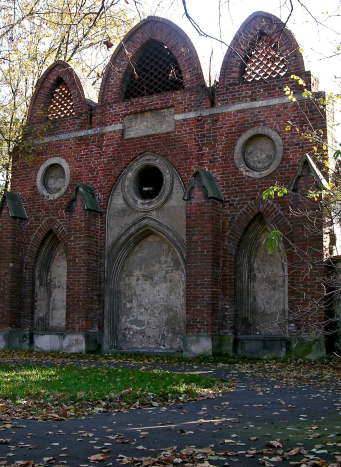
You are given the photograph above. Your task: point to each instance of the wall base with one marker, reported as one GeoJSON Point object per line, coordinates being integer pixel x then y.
{"type": "Point", "coordinates": [260, 346]}
{"type": "Point", "coordinates": [306, 347]}
{"type": "Point", "coordinates": [223, 345]}
{"type": "Point", "coordinates": [70, 342]}
{"type": "Point", "coordinates": [194, 345]}
{"type": "Point", "coordinates": [197, 345]}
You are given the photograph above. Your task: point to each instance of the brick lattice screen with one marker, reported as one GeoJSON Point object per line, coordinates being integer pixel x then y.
{"type": "Point", "coordinates": [62, 103]}
{"type": "Point", "coordinates": [264, 61]}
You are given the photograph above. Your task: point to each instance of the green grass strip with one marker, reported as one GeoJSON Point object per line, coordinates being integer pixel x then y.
{"type": "Point", "coordinates": [73, 390]}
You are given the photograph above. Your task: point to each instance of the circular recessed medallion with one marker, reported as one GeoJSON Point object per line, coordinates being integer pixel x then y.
{"type": "Point", "coordinates": [53, 178]}
{"type": "Point", "coordinates": [258, 152]}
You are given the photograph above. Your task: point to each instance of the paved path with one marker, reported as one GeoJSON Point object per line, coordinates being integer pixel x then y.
{"type": "Point", "coordinates": [235, 428]}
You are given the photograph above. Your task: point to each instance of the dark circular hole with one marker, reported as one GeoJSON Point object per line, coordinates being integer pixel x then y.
{"type": "Point", "coordinates": [148, 182]}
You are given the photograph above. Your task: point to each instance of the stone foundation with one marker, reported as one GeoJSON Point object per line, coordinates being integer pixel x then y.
{"type": "Point", "coordinates": [69, 342]}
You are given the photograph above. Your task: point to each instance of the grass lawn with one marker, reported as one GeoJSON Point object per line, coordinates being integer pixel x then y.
{"type": "Point", "coordinates": [55, 392]}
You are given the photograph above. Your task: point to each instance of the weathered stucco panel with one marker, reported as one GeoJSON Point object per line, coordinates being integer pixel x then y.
{"type": "Point", "coordinates": [268, 298]}
{"type": "Point", "coordinates": [153, 122]}
{"type": "Point", "coordinates": [151, 297]}
{"type": "Point", "coordinates": [50, 309]}
{"type": "Point", "coordinates": [56, 282]}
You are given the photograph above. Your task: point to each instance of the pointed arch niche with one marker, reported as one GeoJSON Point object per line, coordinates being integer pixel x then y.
{"type": "Point", "coordinates": [261, 283]}
{"type": "Point", "coordinates": [50, 286]}
{"type": "Point", "coordinates": [145, 272]}
{"type": "Point", "coordinates": [145, 299]}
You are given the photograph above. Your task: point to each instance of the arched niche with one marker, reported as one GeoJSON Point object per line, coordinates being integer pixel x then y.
{"type": "Point", "coordinates": [145, 258]}
{"type": "Point", "coordinates": [261, 283]}
{"type": "Point", "coordinates": [50, 286]}
{"type": "Point", "coordinates": [145, 296]}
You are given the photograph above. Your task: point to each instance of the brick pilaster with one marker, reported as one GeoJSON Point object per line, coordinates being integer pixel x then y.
{"type": "Point", "coordinates": [11, 268]}
{"type": "Point", "coordinates": [83, 288]}
{"type": "Point", "coordinates": [203, 259]}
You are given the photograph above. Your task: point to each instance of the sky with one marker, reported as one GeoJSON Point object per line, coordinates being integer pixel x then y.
{"type": "Point", "coordinates": [318, 39]}
{"type": "Point", "coordinates": [315, 24]}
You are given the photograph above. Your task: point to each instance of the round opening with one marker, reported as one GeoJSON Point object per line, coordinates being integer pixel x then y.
{"type": "Point", "coordinates": [54, 178]}
{"type": "Point", "coordinates": [148, 182]}
{"type": "Point", "coordinates": [259, 152]}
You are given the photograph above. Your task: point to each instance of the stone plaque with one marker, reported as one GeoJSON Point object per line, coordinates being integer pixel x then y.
{"type": "Point", "coordinates": [153, 122]}
{"type": "Point", "coordinates": [54, 178]}
{"type": "Point", "coordinates": [259, 152]}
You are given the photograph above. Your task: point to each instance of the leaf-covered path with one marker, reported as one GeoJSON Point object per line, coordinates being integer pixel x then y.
{"type": "Point", "coordinates": [276, 413]}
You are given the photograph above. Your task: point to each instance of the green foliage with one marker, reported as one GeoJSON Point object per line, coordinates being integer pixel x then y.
{"type": "Point", "coordinates": [273, 240]}
{"type": "Point", "coordinates": [337, 154]}
{"type": "Point", "coordinates": [35, 34]}
{"type": "Point", "coordinates": [280, 190]}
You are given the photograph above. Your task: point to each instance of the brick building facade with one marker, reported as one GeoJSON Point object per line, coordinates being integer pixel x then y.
{"type": "Point", "coordinates": [140, 224]}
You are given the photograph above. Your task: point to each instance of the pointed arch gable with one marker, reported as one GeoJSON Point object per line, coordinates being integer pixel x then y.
{"type": "Point", "coordinates": [59, 78]}
{"type": "Point", "coordinates": [245, 40]}
{"type": "Point", "coordinates": [166, 33]}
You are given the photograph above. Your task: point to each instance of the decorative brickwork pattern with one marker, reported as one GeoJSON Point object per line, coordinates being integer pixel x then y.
{"type": "Point", "coordinates": [62, 103]}
{"type": "Point", "coordinates": [264, 61]}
